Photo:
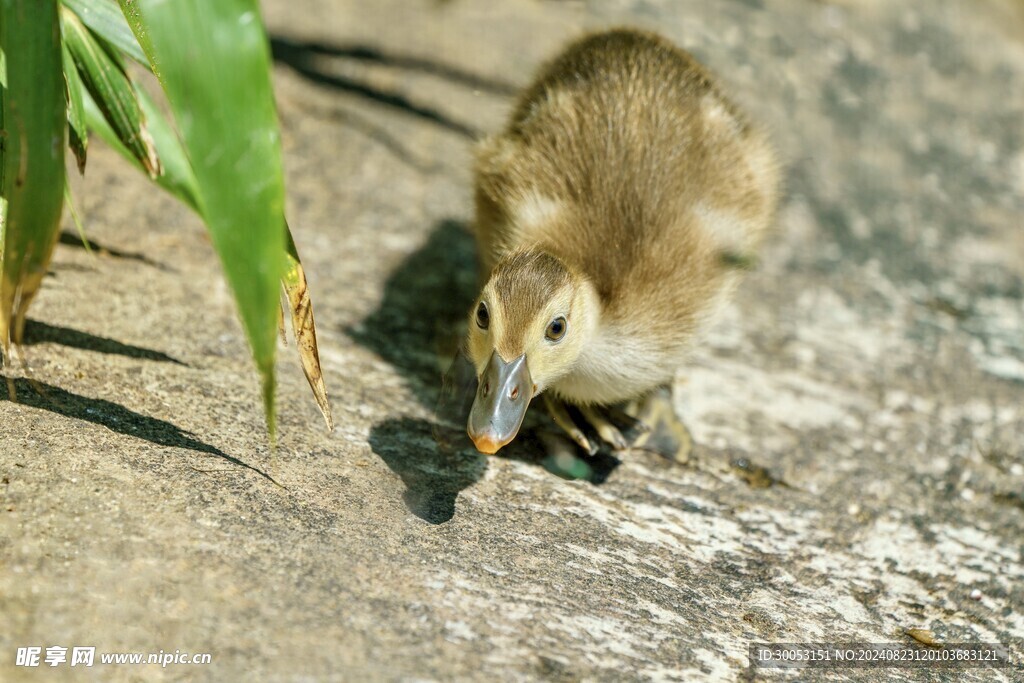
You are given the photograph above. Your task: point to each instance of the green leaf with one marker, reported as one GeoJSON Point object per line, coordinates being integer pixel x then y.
{"type": "Point", "coordinates": [3, 144]}
{"type": "Point", "coordinates": [133, 15]}
{"type": "Point", "coordinates": [78, 133]}
{"type": "Point", "coordinates": [179, 180]}
{"type": "Point", "coordinates": [107, 21]}
{"type": "Point", "coordinates": [213, 61]}
{"type": "Point", "coordinates": [105, 79]}
{"type": "Point", "coordinates": [177, 177]}
{"type": "Point", "coordinates": [34, 121]}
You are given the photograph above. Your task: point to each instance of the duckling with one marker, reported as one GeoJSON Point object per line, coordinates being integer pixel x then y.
{"type": "Point", "coordinates": [613, 217]}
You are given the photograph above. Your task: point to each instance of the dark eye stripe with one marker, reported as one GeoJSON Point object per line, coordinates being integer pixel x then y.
{"type": "Point", "coordinates": [483, 316]}
{"type": "Point", "coordinates": [556, 329]}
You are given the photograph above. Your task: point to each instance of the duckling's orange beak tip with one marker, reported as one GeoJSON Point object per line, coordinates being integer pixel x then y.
{"type": "Point", "coordinates": [487, 445]}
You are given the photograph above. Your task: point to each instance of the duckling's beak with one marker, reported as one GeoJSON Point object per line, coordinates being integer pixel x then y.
{"type": "Point", "coordinates": [504, 392]}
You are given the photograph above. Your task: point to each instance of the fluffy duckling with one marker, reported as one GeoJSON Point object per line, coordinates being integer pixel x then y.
{"type": "Point", "coordinates": [612, 216]}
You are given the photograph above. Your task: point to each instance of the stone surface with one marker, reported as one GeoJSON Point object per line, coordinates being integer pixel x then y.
{"type": "Point", "coordinates": [858, 413]}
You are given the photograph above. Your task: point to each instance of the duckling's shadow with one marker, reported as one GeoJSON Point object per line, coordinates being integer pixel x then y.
{"type": "Point", "coordinates": [416, 326]}
{"type": "Point", "coordinates": [426, 299]}
{"type": "Point", "coordinates": [417, 329]}
{"type": "Point", "coordinates": [436, 462]}
{"type": "Point", "coordinates": [433, 475]}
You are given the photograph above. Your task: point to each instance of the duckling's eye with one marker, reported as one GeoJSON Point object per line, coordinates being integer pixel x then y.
{"type": "Point", "coordinates": [483, 318]}
{"type": "Point", "coordinates": [556, 329]}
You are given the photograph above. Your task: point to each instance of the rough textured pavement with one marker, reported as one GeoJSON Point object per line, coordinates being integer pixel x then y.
{"type": "Point", "coordinates": [858, 413]}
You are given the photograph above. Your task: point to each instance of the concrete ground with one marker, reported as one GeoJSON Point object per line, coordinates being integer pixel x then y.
{"type": "Point", "coordinates": [858, 418]}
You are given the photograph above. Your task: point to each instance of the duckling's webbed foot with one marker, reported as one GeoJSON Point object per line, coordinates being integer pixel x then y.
{"type": "Point", "coordinates": [586, 424]}
{"type": "Point", "coordinates": [601, 423]}
{"type": "Point", "coordinates": [666, 434]}
{"type": "Point", "coordinates": [560, 414]}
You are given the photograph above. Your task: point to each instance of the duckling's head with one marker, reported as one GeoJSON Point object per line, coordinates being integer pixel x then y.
{"type": "Point", "coordinates": [526, 331]}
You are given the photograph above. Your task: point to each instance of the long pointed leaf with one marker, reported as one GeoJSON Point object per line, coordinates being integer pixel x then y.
{"type": "Point", "coordinates": [78, 133]}
{"type": "Point", "coordinates": [213, 61]}
{"type": "Point", "coordinates": [111, 89]}
{"type": "Point", "coordinates": [3, 134]}
{"type": "Point", "coordinates": [133, 15]}
{"type": "Point", "coordinates": [34, 121]}
{"type": "Point", "coordinates": [304, 328]}
{"type": "Point", "coordinates": [179, 180]}
{"type": "Point", "coordinates": [107, 21]}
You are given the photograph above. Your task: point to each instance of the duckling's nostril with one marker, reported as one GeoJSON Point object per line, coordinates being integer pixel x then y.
{"type": "Point", "coordinates": [514, 394]}
{"type": "Point", "coordinates": [487, 388]}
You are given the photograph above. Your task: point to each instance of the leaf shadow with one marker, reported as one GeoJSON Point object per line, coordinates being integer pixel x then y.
{"type": "Point", "coordinates": [116, 418]}
{"type": "Point", "coordinates": [306, 58]}
{"type": "Point", "coordinates": [367, 53]}
{"type": "Point", "coordinates": [378, 134]}
{"type": "Point", "coordinates": [41, 333]}
{"type": "Point", "coordinates": [71, 239]}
